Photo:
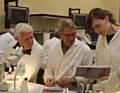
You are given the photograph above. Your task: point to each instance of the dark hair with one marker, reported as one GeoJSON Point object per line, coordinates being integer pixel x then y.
{"type": "Point", "coordinates": [99, 13]}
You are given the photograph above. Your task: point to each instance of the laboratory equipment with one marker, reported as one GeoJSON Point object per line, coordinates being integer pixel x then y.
{"type": "Point", "coordinates": [20, 70]}
{"type": "Point", "coordinates": [24, 86]}
{"type": "Point", "coordinates": [91, 74]}
{"type": "Point", "coordinates": [2, 61]}
{"type": "Point", "coordinates": [110, 85]}
{"type": "Point", "coordinates": [14, 56]}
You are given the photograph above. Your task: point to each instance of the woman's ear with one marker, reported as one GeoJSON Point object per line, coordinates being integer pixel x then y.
{"type": "Point", "coordinates": [16, 38]}
{"type": "Point", "coordinates": [106, 18]}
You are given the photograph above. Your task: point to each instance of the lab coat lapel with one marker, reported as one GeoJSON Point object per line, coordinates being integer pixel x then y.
{"type": "Point", "coordinates": [102, 41]}
{"type": "Point", "coordinates": [66, 62]}
{"type": "Point", "coordinates": [114, 38]}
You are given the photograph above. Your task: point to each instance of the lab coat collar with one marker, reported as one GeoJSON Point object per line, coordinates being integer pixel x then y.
{"type": "Point", "coordinates": [116, 35]}
{"type": "Point", "coordinates": [76, 42]}
{"type": "Point", "coordinates": [105, 38]}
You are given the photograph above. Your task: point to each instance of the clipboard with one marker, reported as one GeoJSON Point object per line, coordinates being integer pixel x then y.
{"type": "Point", "coordinates": [94, 72]}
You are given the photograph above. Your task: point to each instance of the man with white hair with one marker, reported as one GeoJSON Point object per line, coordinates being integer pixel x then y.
{"type": "Point", "coordinates": [32, 51]}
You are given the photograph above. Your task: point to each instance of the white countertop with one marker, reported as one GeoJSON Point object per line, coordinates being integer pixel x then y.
{"type": "Point", "coordinates": [36, 88]}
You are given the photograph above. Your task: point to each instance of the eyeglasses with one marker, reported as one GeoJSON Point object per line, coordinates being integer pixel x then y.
{"type": "Point", "coordinates": [70, 34]}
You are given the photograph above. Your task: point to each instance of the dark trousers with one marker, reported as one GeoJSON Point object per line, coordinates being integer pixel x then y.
{"type": "Point", "coordinates": [40, 79]}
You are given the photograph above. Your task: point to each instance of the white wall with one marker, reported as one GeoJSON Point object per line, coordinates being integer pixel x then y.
{"type": "Point", "coordinates": [1, 15]}
{"type": "Point", "coordinates": [60, 7]}
{"type": "Point", "coordinates": [87, 5]}
{"type": "Point", "coordinates": [113, 6]}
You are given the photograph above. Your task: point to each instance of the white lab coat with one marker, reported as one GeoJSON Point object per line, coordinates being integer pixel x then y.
{"type": "Point", "coordinates": [50, 43]}
{"type": "Point", "coordinates": [33, 62]}
{"type": "Point", "coordinates": [108, 54]}
{"type": "Point", "coordinates": [60, 65]}
{"type": "Point", "coordinates": [6, 39]}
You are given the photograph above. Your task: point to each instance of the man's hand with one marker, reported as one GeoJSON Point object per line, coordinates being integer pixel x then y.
{"type": "Point", "coordinates": [49, 82]}
{"type": "Point", "coordinates": [65, 81]}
